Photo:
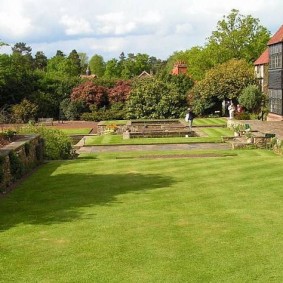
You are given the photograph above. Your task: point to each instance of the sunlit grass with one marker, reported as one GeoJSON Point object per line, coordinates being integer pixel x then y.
{"type": "Point", "coordinates": [210, 121]}
{"type": "Point", "coordinates": [217, 132]}
{"type": "Point", "coordinates": [115, 122]}
{"type": "Point", "coordinates": [212, 135]}
{"type": "Point", "coordinates": [108, 218]}
{"type": "Point", "coordinates": [118, 139]}
{"type": "Point", "coordinates": [77, 131]}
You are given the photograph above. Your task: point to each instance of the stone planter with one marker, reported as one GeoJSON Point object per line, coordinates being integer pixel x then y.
{"type": "Point", "coordinates": [250, 140]}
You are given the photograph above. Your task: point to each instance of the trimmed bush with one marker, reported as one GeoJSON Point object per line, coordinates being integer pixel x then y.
{"type": "Point", "coordinates": [251, 98]}
{"type": "Point", "coordinates": [57, 144]}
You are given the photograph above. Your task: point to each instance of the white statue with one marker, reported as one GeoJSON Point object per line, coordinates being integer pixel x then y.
{"type": "Point", "coordinates": [231, 109]}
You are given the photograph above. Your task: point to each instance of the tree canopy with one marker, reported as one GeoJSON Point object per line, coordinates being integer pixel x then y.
{"type": "Point", "coordinates": [97, 65]}
{"type": "Point", "coordinates": [223, 82]}
{"type": "Point", "coordinates": [236, 37]}
{"type": "Point", "coordinates": [219, 70]}
{"type": "Point", "coordinates": [155, 99]}
{"type": "Point", "coordinates": [239, 37]}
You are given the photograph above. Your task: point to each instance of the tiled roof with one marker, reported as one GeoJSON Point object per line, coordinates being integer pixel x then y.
{"type": "Point", "coordinates": [277, 37]}
{"type": "Point", "coordinates": [144, 74]}
{"type": "Point", "coordinates": [263, 58]}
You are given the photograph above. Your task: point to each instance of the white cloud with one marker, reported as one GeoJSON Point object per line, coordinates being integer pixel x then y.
{"type": "Point", "coordinates": [151, 17]}
{"type": "Point", "coordinates": [114, 24]}
{"type": "Point", "coordinates": [184, 29]}
{"type": "Point", "coordinates": [120, 23]}
{"type": "Point", "coordinates": [14, 22]}
{"type": "Point", "coordinates": [157, 27]}
{"type": "Point", "coordinates": [75, 26]}
{"type": "Point", "coordinates": [113, 45]}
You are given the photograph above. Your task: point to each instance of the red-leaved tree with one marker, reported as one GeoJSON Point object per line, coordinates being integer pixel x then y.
{"type": "Point", "coordinates": [120, 92]}
{"type": "Point", "coordinates": [90, 93]}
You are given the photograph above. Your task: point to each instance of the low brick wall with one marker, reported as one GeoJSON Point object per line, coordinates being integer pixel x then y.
{"type": "Point", "coordinates": [159, 134]}
{"type": "Point", "coordinates": [18, 158]}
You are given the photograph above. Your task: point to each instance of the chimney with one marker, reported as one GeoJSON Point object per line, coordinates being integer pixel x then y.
{"type": "Point", "coordinates": [180, 67]}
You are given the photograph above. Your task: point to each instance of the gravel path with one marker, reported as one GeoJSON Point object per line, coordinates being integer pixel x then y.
{"type": "Point", "coordinates": [156, 147]}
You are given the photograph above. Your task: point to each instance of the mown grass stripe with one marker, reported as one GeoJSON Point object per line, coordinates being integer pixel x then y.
{"type": "Point", "coordinates": [104, 219]}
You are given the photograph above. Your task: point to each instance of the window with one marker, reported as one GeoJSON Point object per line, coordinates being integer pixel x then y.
{"type": "Point", "coordinates": [275, 101]}
{"type": "Point", "coordinates": [275, 57]}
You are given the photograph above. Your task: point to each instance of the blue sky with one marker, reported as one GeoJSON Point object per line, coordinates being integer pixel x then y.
{"type": "Point", "coordinates": [108, 27]}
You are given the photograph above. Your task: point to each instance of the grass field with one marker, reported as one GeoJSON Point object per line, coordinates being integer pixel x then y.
{"type": "Point", "coordinates": [210, 121]}
{"type": "Point", "coordinates": [115, 122]}
{"type": "Point", "coordinates": [212, 135]}
{"type": "Point", "coordinates": [118, 139]}
{"type": "Point", "coordinates": [78, 131]}
{"type": "Point", "coordinates": [109, 218]}
{"type": "Point", "coordinates": [197, 122]}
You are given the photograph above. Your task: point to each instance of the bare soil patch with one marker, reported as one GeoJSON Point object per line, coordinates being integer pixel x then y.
{"type": "Point", "coordinates": [76, 125]}
{"type": "Point", "coordinates": [60, 125]}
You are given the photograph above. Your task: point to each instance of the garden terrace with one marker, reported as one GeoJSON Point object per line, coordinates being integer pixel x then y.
{"type": "Point", "coordinates": [156, 128]}
{"type": "Point", "coordinates": [104, 126]}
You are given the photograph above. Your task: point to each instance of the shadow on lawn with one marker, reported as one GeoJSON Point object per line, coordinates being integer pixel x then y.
{"type": "Point", "coordinates": [60, 198]}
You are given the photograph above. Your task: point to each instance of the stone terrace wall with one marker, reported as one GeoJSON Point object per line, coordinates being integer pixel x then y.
{"type": "Point", "coordinates": [18, 158]}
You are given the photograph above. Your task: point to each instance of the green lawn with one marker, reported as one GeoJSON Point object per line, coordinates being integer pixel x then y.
{"type": "Point", "coordinates": [210, 121]}
{"type": "Point", "coordinates": [212, 135]}
{"type": "Point", "coordinates": [197, 121]}
{"type": "Point", "coordinates": [79, 131]}
{"type": "Point", "coordinates": [217, 132]}
{"type": "Point", "coordinates": [115, 122]}
{"type": "Point", "coordinates": [118, 139]}
{"type": "Point", "coordinates": [109, 218]}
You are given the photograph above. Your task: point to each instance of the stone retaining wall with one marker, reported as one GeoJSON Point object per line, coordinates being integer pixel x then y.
{"type": "Point", "coordinates": [18, 158]}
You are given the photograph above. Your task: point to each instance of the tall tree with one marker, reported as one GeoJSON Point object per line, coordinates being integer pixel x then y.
{"type": "Point", "coordinates": [40, 60]}
{"type": "Point", "coordinates": [84, 61]}
{"type": "Point", "coordinates": [112, 69]}
{"type": "Point", "coordinates": [142, 63]}
{"type": "Point", "coordinates": [21, 48]}
{"type": "Point", "coordinates": [75, 63]}
{"type": "Point", "coordinates": [122, 56]}
{"type": "Point", "coordinates": [97, 65]}
{"type": "Point", "coordinates": [156, 65]}
{"type": "Point", "coordinates": [60, 53]}
{"type": "Point", "coordinates": [58, 67]}
{"type": "Point", "coordinates": [238, 36]}
{"type": "Point", "coordinates": [154, 99]}
{"type": "Point", "coordinates": [23, 54]}
{"type": "Point", "coordinates": [17, 77]}
{"type": "Point", "coordinates": [223, 82]}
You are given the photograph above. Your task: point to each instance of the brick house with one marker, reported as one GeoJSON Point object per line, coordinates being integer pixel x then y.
{"type": "Point", "coordinates": [275, 75]}
{"type": "Point", "coordinates": [269, 72]}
